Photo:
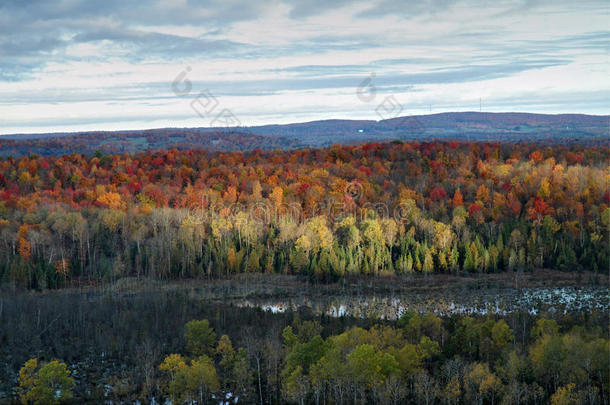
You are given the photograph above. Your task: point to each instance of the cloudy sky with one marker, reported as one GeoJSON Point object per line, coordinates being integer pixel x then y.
{"type": "Point", "coordinates": [69, 65]}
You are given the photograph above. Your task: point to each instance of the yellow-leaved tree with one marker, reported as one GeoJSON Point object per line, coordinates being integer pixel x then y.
{"type": "Point", "coordinates": [49, 383]}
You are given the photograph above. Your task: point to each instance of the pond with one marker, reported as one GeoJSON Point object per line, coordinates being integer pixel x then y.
{"type": "Point", "coordinates": [391, 307]}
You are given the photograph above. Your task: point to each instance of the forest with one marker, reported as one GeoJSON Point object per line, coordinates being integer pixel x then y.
{"type": "Point", "coordinates": [374, 209]}
{"type": "Point", "coordinates": [117, 142]}
{"type": "Point", "coordinates": [171, 347]}
{"type": "Point", "coordinates": [304, 202]}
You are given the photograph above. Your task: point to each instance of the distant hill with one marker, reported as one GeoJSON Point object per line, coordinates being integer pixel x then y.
{"type": "Point", "coordinates": [474, 126]}
{"type": "Point", "coordinates": [511, 127]}
{"type": "Point", "coordinates": [116, 142]}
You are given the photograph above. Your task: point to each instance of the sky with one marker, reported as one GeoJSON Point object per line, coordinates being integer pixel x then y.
{"type": "Point", "coordinates": [72, 65]}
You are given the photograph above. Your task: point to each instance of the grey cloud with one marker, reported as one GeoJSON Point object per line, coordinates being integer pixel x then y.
{"type": "Point", "coordinates": [15, 71]}
{"type": "Point", "coordinates": [308, 78]}
{"type": "Point", "coordinates": [141, 12]}
{"type": "Point", "coordinates": [308, 8]}
{"type": "Point", "coordinates": [406, 9]}
{"type": "Point", "coordinates": [36, 32]}
{"type": "Point", "coordinates": [524, 6]}
{"type": "Point", "coordinates": [163, 45]}
{"type": "Point", "coordinates": [26, 46]}
{"type": "Point", "coordinates": [320, 69]}
{"type": "Point", "coordinates": [32, 30]}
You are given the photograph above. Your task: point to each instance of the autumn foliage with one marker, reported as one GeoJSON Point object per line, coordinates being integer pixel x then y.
{"type": "Point", "coordinates": [378, 208]}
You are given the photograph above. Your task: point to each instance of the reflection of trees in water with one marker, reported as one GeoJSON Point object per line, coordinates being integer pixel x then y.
{"type": "Point", "coordinates": [392, 307]}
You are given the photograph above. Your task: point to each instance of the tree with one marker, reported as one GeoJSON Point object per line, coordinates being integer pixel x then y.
{"type": "Point", "coordinates": [348, 234]}
{"type": "Point", "coordinates": [290, 339]}
{"type": "Point", "coordinates": [365, 365]}
{"type": "Point", "coordinates": [24, 244]}
{"type": "Point", "coordinates": [296, 386]}
{"type": "Point", "coordinates": [428, 265]}
{"type": "Point", "coordinates": [304, 354]}
{"type": "Point", "coordinates": [202, 378]}
{"type": "Point", "coordinates": [240, 376]}
{"type": "Point", "coordinates": [200, 338]}
{"type": "Point", "coordinates": [443, 237]}
{"type": "Point", "coordinates": [111, 200]}
{"type": "Point", "coordinates": [225, 351]}
{"type": "Point", "coordinates": [190, 382]}
{"type": "Point", "coordinates": [426, 388]}
{"type": "Point", "coordinates": [545, 327]}
{"type": "Point", "coordinates": [318, 234]}
{"type": "Point", "coordinates": [458, 199]}
{"type": "Point", "coordinates": [547, 355]}
{"type": "Point", "coordinates": [232, 259]}
{"type": "Point", "coordinates": [276, 197]}
{"type": "Point", "coordinates": [50, 383]}
{"type": "Point", "coordinates": [469, 258]}
{"type": "Point", "coordinates": [501, 335]}
{"type": "Point", "coordinates": [172, 364]}
{"type": "Point", "coordinates": [565, 396]}
{"type": "Point", "coordinates": [481, 383]}
{"type": "Point", "coordinates": [452, 391]}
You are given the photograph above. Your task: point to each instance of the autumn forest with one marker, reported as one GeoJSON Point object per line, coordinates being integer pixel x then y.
{"type": "Point", "coordinates": [304, 202]}
{"type": "Point", "coordinates": [83, 236]}
{"type": "Point", "coordinates": [374, 209]}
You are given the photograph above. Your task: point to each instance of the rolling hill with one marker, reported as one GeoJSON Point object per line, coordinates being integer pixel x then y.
{"type": "Point", "coordinates": [472, 126]}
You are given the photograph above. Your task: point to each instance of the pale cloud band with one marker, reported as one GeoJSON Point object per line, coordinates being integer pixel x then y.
{"type": "Point", "coordinates": [72, 65]}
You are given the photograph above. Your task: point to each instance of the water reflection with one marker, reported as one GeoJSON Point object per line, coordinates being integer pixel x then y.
{"type": "Point", "coordinates": [533, 300]}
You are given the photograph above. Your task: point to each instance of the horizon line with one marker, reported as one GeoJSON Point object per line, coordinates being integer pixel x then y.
{"type": "Point", "coordinates": [303, 122]}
